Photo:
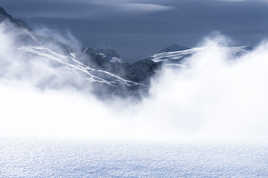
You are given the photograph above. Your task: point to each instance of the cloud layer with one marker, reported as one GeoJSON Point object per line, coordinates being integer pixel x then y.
{"type": "Point", "coordinates": [218, 97]}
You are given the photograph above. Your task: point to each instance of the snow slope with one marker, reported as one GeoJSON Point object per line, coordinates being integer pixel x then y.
{"type": "Point", "coordinates": [178, 56]}
{"type": "Point", "coordinates": [71, 62]}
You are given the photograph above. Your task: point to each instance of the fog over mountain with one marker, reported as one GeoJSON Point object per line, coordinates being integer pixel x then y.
{"type": "Point", "coordinates": [194, 84]}
{"type": "Point", "coordinates": [186, 109]}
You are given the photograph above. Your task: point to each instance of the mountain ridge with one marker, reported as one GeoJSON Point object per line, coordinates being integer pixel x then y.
{"type": "Point", "coordinates": [103, 67]}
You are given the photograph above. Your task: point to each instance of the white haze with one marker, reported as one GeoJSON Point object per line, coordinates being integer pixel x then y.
{"type": "Point", "coordinates": [217, 97]}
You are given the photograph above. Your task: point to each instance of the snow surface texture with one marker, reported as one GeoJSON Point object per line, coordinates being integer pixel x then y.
{"type": "Point", "coordinates": [50, 159]}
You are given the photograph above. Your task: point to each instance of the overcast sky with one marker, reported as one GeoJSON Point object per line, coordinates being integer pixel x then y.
{"type": "Point", "coordinates": [137, 28]}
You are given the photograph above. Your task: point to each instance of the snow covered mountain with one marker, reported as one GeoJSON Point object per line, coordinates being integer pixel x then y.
{"type": "Point", "coordinates": [102, 67]}
{"type": "Point", "coordinates": [177, 56]}
{"type": "Point", "coordinates": [97, 65]}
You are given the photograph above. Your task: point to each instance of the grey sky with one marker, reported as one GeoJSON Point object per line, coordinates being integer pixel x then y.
{"type": "Point", "coordinates": [137, 28]}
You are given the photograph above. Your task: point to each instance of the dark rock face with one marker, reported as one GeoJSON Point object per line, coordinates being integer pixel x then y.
{"type": "Point", "coordinates": [142, 71]}
{"type": "Point", "coordinates": [139, 72]}
{"type": "Point", "coordinates": [174, 47]}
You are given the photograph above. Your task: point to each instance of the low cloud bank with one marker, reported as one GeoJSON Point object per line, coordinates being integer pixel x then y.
{"type": "Point", "coordinates": [217, 96]}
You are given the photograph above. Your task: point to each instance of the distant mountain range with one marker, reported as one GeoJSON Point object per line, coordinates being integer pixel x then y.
{"type": "Point", "coordinates": [104, 68]}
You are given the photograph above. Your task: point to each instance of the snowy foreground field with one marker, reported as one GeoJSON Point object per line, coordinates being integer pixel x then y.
{"type": "Point", "coordinates": [62, 159]}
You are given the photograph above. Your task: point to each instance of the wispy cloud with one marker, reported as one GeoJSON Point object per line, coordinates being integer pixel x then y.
{"type": "Point", "coordinates": [143, 7]}
{"type": "Point", "coordinates": [133, 6]}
